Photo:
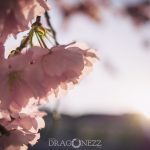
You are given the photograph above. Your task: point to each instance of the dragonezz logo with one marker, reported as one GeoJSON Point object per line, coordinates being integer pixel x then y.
{"type": "Point", "coordinates": [75, 143]}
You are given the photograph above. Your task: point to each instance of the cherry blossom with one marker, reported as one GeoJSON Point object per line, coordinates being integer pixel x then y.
{"type": "Point", "coordinates": [40, 71]}
{"type": "Point", "coordinates": [31, 75]}
{"type": "Point", "coordinates": [63, 65]}
{"type": "Point", "coordinates": [21, 131]}
{"type": "Point", "coordinates": [15, 15]}
{"type": "Point", "coordinates": [11, 77]}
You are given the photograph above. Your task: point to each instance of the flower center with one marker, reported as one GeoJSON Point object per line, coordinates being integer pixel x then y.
{"type": "Point", "coordinates": [13, 77]}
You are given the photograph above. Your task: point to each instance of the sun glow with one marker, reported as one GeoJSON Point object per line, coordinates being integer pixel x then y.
{"type": "Point", "coordinates": [144, 109]}
{"type": "Point", "coordinates": [146, 113]}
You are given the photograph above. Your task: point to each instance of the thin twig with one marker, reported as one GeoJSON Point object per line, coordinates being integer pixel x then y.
{"type": "Point", "coordinates": [51, 27]}
{"type": "Point", "coordinates": [38, 21]}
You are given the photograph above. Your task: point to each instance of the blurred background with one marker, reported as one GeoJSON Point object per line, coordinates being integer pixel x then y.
{"type": "Point", "coordinates": [113, 102]}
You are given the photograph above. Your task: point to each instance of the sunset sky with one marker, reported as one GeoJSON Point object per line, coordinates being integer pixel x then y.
{"type": "Point", "coordinates": [120, 81]}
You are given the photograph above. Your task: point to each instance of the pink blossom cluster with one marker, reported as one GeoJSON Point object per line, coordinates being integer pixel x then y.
{"type": "Point", "coordinates": [20, 129]}
{"type": "Point", "coordinates": [29, 77]}
{"type": "Point", "coordinates": [17, 14]}
{"type": "Point", "coordinates": [39, 72]}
